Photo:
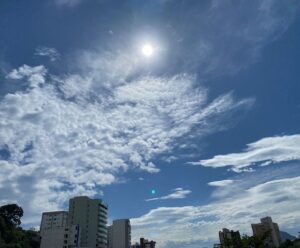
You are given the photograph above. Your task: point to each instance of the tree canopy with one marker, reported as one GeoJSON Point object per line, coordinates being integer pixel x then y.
{"type": "Point", "coordinates": [11, 234]}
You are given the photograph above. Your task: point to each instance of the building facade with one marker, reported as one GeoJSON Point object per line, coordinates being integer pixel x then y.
{"type": "Point", "coordinates": [119, 234]}
{"type": "Point", "coordinates": [267, 226]}
{"type": "Point", "coordinates": [91, 217]}
{"type": "Point", "coordinates": [52, 229]}
{"type": "Point", "coordinates": [56, 233]}
{"type": "Point", "coordinates": [230, 238]}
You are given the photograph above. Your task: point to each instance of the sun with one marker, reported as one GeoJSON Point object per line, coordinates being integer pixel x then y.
{"type": "Point", "coordinates": [147, 50]}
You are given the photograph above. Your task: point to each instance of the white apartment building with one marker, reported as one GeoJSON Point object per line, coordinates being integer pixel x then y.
{"type": "Point", "coordinates": [52, 229]}
{"type": "Point", "coordinates": [91, 216]}
{"type": "Point", "coordinates": [55, 232]}
{"type": "Point", "coordinates": [119, 235]}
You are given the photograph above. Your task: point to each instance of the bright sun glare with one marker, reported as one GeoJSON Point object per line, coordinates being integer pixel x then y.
{"type": "Point", "coordinates": [147, 50]}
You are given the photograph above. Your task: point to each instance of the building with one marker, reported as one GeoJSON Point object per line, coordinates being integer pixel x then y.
{"type": "Point", "coordinates": [52, 229]}
{"type": "Point", "coordinates": [267, 225]}
{"type": "Point", "coordinates": [110, 236]}
{"type": "Point", "coordinates": [91, 217]}
{"type": "Point", "coordinates": [119, 234]}
{"type": "Point", "coordinates": [230, 238]}
{"type": "Point", "coordinates": [72, 237]}
{"type": "Point", "coordinates": [55, 232]}
{"type": "Point", "coordinates": [136, 245]}
{"type": "Point", "coordinates": [144, 243]}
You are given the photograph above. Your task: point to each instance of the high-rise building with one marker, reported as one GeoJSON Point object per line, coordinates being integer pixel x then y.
{"type": "Point", "coordinates": [110, 236]}
{"type": "Point", "coordinates": [55, 232]}
{"type": "Point", "coordinates": [72, 237]}
{"type": "Point", "coordinates": [267, 226]}
{"type": "Point", "coordinates": [230, 238]}
{"type": "Point", "coordinates": [91, 216]}
{"type": "Point", "coordinates": [119, 234]}
{"type": "Point", "coordinates": [52, 229]}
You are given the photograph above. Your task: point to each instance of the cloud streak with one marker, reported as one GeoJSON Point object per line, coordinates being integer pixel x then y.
{"type": "Point", "coordinates": [221, 183]}
{"type": "Point", "coordinates": [49, 52]}
{"type": "Point", "coordinates": [178, 193]}
{"type": "Point", "coordinates": [262, 152]}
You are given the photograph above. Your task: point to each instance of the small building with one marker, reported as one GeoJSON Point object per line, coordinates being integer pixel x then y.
{"type": "Point", "coordinates": [52, 229]}
{"type": "Point", "coordinates": [145, 243]}
{"type": "Point", "coordinates": [230, 238]}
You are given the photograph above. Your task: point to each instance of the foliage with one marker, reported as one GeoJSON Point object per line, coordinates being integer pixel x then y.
{"type": "Point", "coordinates": [11, 214]}
{"type": "Point", "coordinates": [11, 235]}
{"type": "Point", "coordinates": [291, 244]}
{"type": "Point", "coordinates": [255, 241]}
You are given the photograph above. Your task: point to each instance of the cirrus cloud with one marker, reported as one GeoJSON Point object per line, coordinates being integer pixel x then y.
{"type": "Point", "coordinates": [262, 152]}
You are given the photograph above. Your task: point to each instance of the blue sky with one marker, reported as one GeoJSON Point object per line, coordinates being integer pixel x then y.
{"type": "Point", "coordinates": [210, 121]}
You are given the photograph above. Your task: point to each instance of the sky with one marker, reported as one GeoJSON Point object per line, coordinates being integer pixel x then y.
{"type": "Point", "coordinates": [203, 134]}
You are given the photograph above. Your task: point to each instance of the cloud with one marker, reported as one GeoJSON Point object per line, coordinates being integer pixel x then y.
{"type": "Point", "coordinates": [262, 152]}
{"type": "Point", "coordinates": [200, 224]}
{"type": "Point", "coordinates": [68, 3]}
{"type": "Point", "coordinates": [72, 134]}
{"type": "Point", "coordinates": [33, 75]}
{"type": "Point", "coordinates": [52, 53]}
{"type": "Point", "coordinates": [213, 39]}
{"type": "Point", "coordinates": [221, 183]}
{"type": "Point", "coordinates": [178, 193]}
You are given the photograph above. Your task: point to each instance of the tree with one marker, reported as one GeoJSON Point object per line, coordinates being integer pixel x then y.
{"type": "Point", "coordinates": [11, 234]}
{"type": "Point", "coordinates": [11, 214]}
{"type": "Point", "coordinates": [255, 241]}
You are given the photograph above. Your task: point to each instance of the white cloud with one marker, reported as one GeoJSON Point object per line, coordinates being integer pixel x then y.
{"type": "Point", "coordinates": [178, 193]}
{"type": "Point", "coordinates": [200, 224]}
{"type": "Point", "coordinates": [50, 52]}
{"type": "Point", "coordinates": [221, 183]}
{"type": "Point", "coordinates": [72, 134]}
{"type": "Point", "coordinates": [262, 152]}
{"type": "Point", "coordinates": [34, 75]}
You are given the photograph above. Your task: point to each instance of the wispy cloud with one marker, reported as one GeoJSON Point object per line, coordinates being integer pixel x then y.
{"type": "Point", "coordinates": [222, 34]}
{"type": "Point", "coordinates": [200, 224]}
{"type": "Point", "coordinates": [49, 52]}
{"type": "Point", "coordinates": [69, 3]}
{"type": "Point", "coordinates": [221, 183]}
{"type": "Point", "coordinates": [262, 152]}
{"type": "Point", "coordinates": [178, 193]}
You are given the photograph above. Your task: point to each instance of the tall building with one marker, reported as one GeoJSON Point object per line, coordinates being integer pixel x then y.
{"type": "Point", "coordinates": [52, 229]}
{"type": "Point", "coordinates": [267, 225]}
{"type": "Point", "coordinates": [55, 232]}
{"type": "Point", "coordinates": [119, 234]}
{"type": "Point", "coordinates": [91, 216]}
{"type": "Point", "coordinates": [145, 243]}
{"type": "Point", "coordinates": [110, 235]}
{"type": "Point", "coordinates": [230, 238]}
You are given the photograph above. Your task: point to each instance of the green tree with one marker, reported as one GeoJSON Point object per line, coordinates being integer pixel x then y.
{"type": "Point", "coordinates": [12, 214]}
{"type": "Point", "coordinates": [255, 241]}
{"type": "Point", "coordinates": [11, 234]}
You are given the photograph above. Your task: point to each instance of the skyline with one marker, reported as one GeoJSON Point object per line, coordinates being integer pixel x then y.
{"type": "Point", "coordinates": [172, 112]}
